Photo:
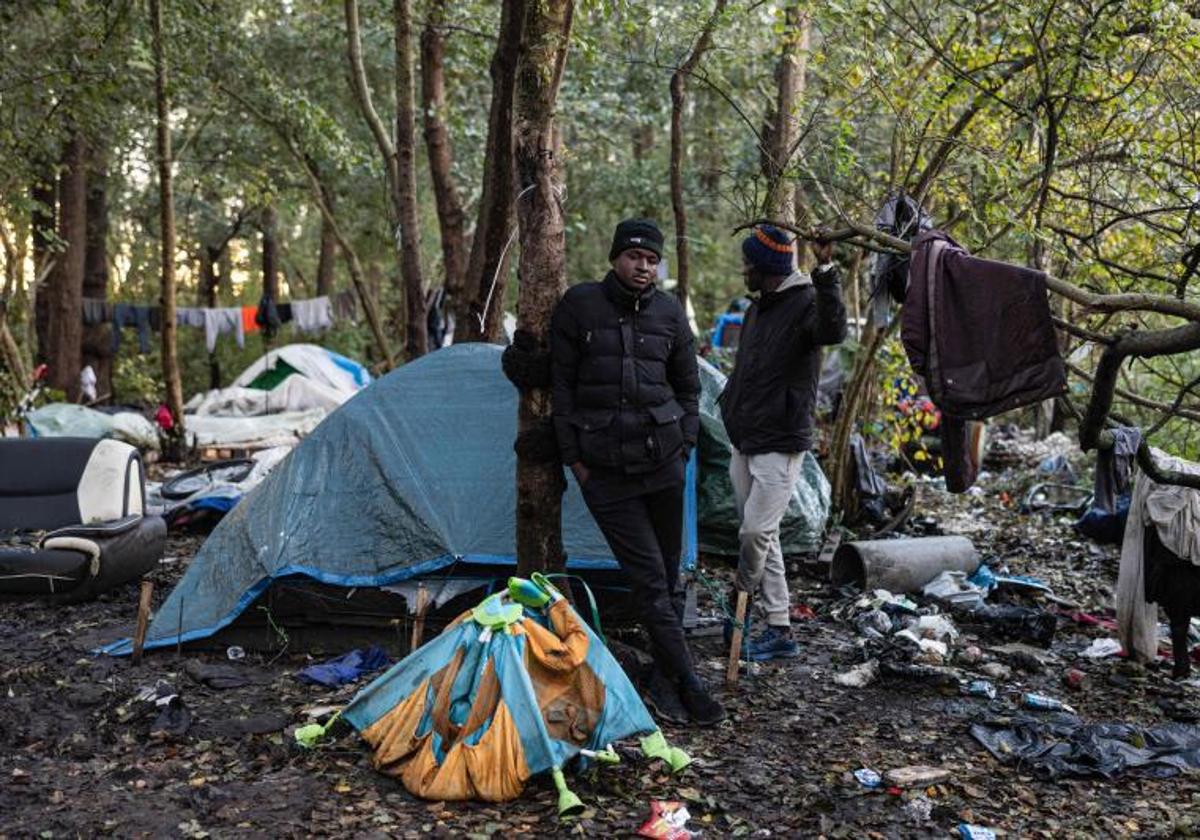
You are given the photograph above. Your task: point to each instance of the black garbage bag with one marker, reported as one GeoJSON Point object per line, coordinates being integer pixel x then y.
{"type": "Point", "coordinates": [1008, 621]}
{"type": "Point", "coordinates": [1060, 744]}
{"type": "Point", "coordinates": [902, 217]}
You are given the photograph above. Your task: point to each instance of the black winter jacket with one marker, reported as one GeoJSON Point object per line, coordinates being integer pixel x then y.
{"type": "Point", "coordinates": [768, 402]}
{"type": "Point", "coordinates": [626, 385]}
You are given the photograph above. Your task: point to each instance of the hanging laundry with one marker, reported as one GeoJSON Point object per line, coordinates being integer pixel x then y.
{"type": "Point", "coordinates": [285, 312]}
{"type": "Point", "coordinates": [96, 311]}
{"type": "Point", "coordinates": [1174, 513]}
{"type": "Point", "coordinates": [128, 315]}
{"type": "Point", "coordinates": [345, 306]}
{"type": "Point", "coordinates": [220, 321]}
{"type": "Point", "coordinates": [313, 315]}
{"type": "Point", "coordinates": [1104, 521]}
{"type": "Point", "coordinates": [249, 324]}
{"type": "Point", "coordinates": [979, 333]}
{"type": "Point", "coordinates": [189, 316]}
{"type": "Point", "coordinates": [266, 316]}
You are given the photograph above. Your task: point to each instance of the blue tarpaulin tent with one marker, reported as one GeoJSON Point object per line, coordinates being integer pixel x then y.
{"type": "Point", "coordinates": [412, 475]}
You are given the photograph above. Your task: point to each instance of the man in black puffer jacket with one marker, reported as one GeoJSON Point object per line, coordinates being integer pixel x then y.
{"type": "Point", "coordinates": [626, 414]}
{"type": "Point", "coordinates": [768, 406]}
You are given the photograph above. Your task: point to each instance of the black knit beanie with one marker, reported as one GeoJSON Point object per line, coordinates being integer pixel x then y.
{"type": "Point", "coordinates": [636, 233]}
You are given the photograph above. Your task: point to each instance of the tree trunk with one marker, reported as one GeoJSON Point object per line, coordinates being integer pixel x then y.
{"type": "Point", "coordinates": [270, 253]}
{"type": "Point", "coordinates": [328, 254]}
{"type": "Point", "coordinates": [65, 293]}
{"type": "Point", "coordinates": [679, 81]}
{"type": "Point", "coordinates": [42, 220]}
{"type": "Point", "coordinates": [97, 342]}
{"type": "Point", "coordinates": [166, 200]}
{"type": "Point", "coordinates": [542, 270]}
{"type": "Point", "coordinates": [210, 281]}
{"type": "Point", "coordinates": [782, 129]}
{"type": "Point", "coordinates": [478, 314]}
{"type": "Point", "coordinates": [451, 218]}
{"type": "Point", "coordinates": [415, 338]}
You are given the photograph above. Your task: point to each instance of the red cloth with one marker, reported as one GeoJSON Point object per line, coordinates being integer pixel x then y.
{"type": "Point", "coordinates": [249, 325]}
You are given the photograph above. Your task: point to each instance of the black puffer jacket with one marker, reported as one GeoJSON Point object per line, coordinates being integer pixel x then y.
{"type": "Point", "coordinates": [626, 385]}
{"type": "Point", "coordinates": [768, 402]}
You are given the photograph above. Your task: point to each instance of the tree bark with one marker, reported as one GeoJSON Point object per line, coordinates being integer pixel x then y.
{"type": "Point", "coordinates": [328, 254]}
{"type": "Point", "coordinates": [166, 200]}
{"type": "Point", "coordinates": [43, 218]}
{"type": "Point", "coordinates": [415, 335]}
{"type": "Point", "coordinates": [478, 313]}
{"type": "Point", "coordinates": [65, 293]}
{"type": "Point", "coordinates": [270, 253]}
{"type": "Point", "coordinates": [542, 270]}
{"type": "Point", "coordinates": [451, 218]}
{"type": "Point", "coordinates": [782, 130]}
{"type": "Point", "coordinates": [679, 81]}
{"type": "Point", "coordinates": [97, 343]}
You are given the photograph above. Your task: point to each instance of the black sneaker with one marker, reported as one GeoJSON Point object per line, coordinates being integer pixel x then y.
{"type": "Point", "coordinates": [704, 709]}
{"type": "Point", "coordinates": [662, 698]}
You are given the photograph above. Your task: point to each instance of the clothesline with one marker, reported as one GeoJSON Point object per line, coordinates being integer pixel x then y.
{"type": "Point", "coordinates": [309, 315]}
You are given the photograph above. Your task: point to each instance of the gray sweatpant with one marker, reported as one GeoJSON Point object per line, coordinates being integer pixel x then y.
{"type": "Point", "coordinates": [762, 485]}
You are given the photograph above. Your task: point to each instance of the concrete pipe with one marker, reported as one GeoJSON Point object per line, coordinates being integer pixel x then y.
{"type": "Point", "coordinates": [901, 565]}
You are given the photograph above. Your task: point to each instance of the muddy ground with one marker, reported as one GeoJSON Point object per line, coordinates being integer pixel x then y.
{"type": "Point", "coordinates": [77, 757]}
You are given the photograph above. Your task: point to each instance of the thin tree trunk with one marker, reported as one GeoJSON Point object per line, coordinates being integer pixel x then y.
{"type": "Point", "coordinates": [782, 130]}
{"type": "Point", "coordinates": [542, 270]}
{"type": "Point", "coordinates": [97, 344]}
{"type": "Point", "coordinates": [43, 218]}
{"type": "Point", "coordinates": [451, 218]}
{"type": "Point", "coordinates": [270, 253]}
{"type": "Point", "coordinates": [478, 313]}
{"type": "Point", "coordinates": [166, 200]}
{"type": "Point", "coordinates": [415, 336]}
{"type": "Point", "coordinates": [679, 81]}
{"type": "Point", "coordinates": [328, 255]}
{"type": "Point", "coordinates": [65, 291]}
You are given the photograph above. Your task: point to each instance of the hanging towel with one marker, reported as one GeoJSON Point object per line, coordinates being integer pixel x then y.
{"type": "Point", "coordinates": [220, 321]}
{"type": "Point", "coordinates": [96, 311]}
{"type": "Point", "coordinates": [312, 315]}
{"type": "Point", "coordinates": [128, 315]}
{"type": "Point", "coordinates": [189, 316]}
{"type": "Point", "coordinates": [249, 325]}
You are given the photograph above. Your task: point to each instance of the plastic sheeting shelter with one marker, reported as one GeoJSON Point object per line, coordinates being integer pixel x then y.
{"type": "Point", "coordinates": [803, 524]}
{"type": "Point", "coordinates": [413, 475]}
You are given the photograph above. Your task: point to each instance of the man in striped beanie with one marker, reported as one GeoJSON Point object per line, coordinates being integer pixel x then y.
{"type": "Point", "coordinates": [768, 407]}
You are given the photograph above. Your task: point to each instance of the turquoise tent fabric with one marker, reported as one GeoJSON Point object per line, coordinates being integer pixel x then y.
{"type": "Point", "coordinates": [414, 473]}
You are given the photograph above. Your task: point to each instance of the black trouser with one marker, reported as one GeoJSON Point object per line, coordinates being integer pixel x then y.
{"type": "Point", "coordinates": [645, 533]}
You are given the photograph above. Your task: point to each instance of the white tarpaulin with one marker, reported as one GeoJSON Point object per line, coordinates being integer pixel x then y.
{"type": "Point", "coordinates": [285, 429]}
{"type": "Point", "coordinates": [68, 420]}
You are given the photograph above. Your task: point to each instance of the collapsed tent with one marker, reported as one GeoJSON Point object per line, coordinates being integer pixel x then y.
{"type": "Point", "coordinates": [804, 523]}
{"type": "Point", "coordinates": [277, 400]}
{"type": "Point", "coordinates": [413, 476]}
{"type": "Point", "coordinates": [515, 687]}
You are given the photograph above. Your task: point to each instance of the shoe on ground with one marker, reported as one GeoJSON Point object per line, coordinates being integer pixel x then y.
{"type": "Point", "coordinates": [704, 709]}
{"type": "Point", "coordinates": [773, 643]}
{"type": "Point", "coordinates": [663, 700]}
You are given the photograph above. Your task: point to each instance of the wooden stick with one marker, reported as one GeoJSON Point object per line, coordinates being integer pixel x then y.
{"type": "Point", "coordinates": [735, 648]}
{"type": "Point", "coordinates": [418, 634]}
{"type": "Point", "coordinates": [143, 620]}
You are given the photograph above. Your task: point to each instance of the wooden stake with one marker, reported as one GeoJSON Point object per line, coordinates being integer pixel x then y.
{"type": "Point", "coordinates": [418, 634]}
{"type": "Point", "coordinates": [143, 620]}
{"type": "Point", "coordinates": [735, 647]}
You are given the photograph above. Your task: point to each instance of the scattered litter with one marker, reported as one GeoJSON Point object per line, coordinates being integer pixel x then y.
{"type": "Point", "coordinates": [918, 810]}
{"type": "Point", "coordinates": [996, 671]}
{"type": "Point", "coordinates": [875, 624]}
{"type": "Point", "coordinates": [1008, 621]}
{"type": "Point", "coordinates": [1074, 679]}
{"type": "Point", "coordinates": [917, 775]}
{"type": "Point", "coordinates": [860, 676]}
{"type": "Point", "coordinates": [216, 676]}
{"type": "Point", "coordinates": [966, 831]}
{"type": "Point", "coordinates": [1102, 649]}
{"type": "Point", "coordinates": [970, 655]}
{"type": "Point", "coordinates": [1044, 703]}
{"type": "Point", "coordinates": [802, 612]}
{"type": "Point", "coordinates": [235, 652]}
{"type": "Point", "coordinates": [937, 627]}
{"type": "Point", "coordinates": [868, 778]}
{"type": "Point", "coordinates": [981, 688]}
{"type": "Point", "coordinates": [346, 668]}
{"type": "Point", "coordinates": [954, 588]}
{"type": "Point", "coordinates": [668, 821]}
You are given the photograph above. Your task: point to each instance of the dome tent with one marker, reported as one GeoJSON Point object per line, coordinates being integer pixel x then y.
{"type": "Point", "coordinates": [413, 475]}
